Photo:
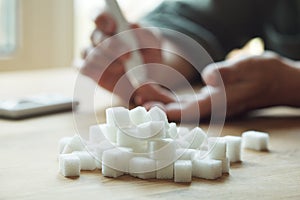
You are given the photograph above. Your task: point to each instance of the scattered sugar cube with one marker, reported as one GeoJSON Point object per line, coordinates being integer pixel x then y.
{"type": "Point", "coordinates": [165, 169]}
{"type": "Point", "coordinates": [225, 165]}
{"type": "Point", "coordinates": [87, 162]}
{"type": "Point", "coordinates": [110, 132]}
{"type": "Point", "coordinates": [103, 146]}
{"type": "Point", "coordinates": [62, 143]}
{"type": "Point", "coordinates": [183, 171]}
{"type": "Point", "coordinates": [172, 131]}
{"type": "Point", "coordinates": [126, 137]}
{"type": "Point", "coordinates": [129, 138]}
{"type": "Point", "coordinates": [151, 130]}
{"type": "Point", "coordinates": [139, 115]}
{"type": "Point", "coordinates": [117, 159]}
{"type": "Point", "coordinates": [162, 149]}
{"type": "Point", "coordinates": [185, 154]}
{"type": "Point", "coordinates": [200, 154]}
{"type": "Point", "coordinates": [69, 165]}
{"type": "Point", "coordinates": [157, 114]}
{"type": "Point", "coordinates": [110, 172]}
{"type": "Point", "coordinates": [182, 143]}
{"type": "Point", "coordinates": [207, 168]}
{"type": "Point", "coordinates": [255, 140]}
{"type": "Point", "coordinates": [233, 149]}
{"type": "Point", "coordinates": [141, 167]}
{"type": "Point", "coordinates": [75, 144]}
{"type": "Point", "coordinates": [98, 164]}
{"type": "Point", "coordinates": [195, 138]}
{"type": "Point", "coordinates": [118, 116]}
{"type": "Point", "coordinates": [96, 134]}
{"type": "Point", "coordinates": [217, 148]}
{"type": "Point", "coordinates": [182, 131]}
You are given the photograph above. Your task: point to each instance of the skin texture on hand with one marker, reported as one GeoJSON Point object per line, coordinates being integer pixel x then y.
{"type": "Point", "coordinates": [250, 83]}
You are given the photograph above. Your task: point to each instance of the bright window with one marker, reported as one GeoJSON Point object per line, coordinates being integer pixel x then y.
{"type": "Point", "coordinates": [36, 34]}
{"type": "Point", "coordinates": [8, 23]}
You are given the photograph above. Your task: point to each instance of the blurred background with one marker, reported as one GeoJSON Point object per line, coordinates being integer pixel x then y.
{"type": "Point", "coordinates": [37, 34]}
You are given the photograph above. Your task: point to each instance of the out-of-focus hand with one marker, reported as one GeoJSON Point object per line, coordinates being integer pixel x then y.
{"type": "Point", "coordinates": [250, 83]}
{"type": "Point", "coordinates": [104, 66]}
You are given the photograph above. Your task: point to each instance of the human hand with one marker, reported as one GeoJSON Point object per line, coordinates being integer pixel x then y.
{"type": "Point", "coordinates": [249, 83]}
{"type": "Point", "coordinates": [104, 65]}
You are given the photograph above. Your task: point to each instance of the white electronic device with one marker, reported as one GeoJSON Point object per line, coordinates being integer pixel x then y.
{"type": "Point", "coordinates": [35, 105]}
{"type": "Point", "coordinates": [136, 75]}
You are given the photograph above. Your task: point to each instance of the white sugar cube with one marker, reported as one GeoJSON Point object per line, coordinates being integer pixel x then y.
{"type": "Point", "coordinates": [110, 132]}
{"type": "Point", "coordinates": [157, 114]}
{"type": "Point", "coordinates": [139, 115]}
{"type": "Point", "coordinates": [141, 167]}
{"type": "Point", "coordinates": [200, 155]}
{"type": "Point", "coordinates": [165, 169]}
{"type": "Point", "coordinates": [118, 116]}
{"type": "Point", "coordinates": [87, 162]}
{"type": "Point", "coordinates": [130, 138]}
{"type": "Point", "coordinates": [69, 165]}
{"type": "Point", "coordinates": [172, 131]}
{"type": "Point", "coordinates": [91, 147]}
{"type": "Point", "coordinates": [126, 137]}
{"type": "Point", "coordinates": [255, 140]}
{"type": "Point", "coordinates": [233, 149]}
{"type": "Point", "coordinates": [183, 171]}
{"type": "Point", "coordinates": [207, 168]}
{"type": "Point", "coordinates": [162, 149]}
{"type": "Point", "coordinates": [182, 131]}
{"type": "Point", "coordinates": [217, 148]}
{"type": "Point", "coordinates": [151, 130]}
{"type": "Point", "coordinates": [62, 143]}
{"type": "Point", "coordinates": [96, 134]}
{"type": "Point", "coordinates": [75, 144]}
{"type": "Point", "coordinates": [225, 165]}
{"type": "Point", "coordinates": [103, 146]}
{"type": "Point", "coordinates": [110, 172]}
{"type": "Point", "coordinates": [195, 138]}
{"type": "Point", "coordinates": [185, 154]}
{"type": "Point", "coordinates": [182, 143]}
{"type": "Point", "coordinates": [98, 164]}
{"type": "Point", "coordinates": [117, 159]}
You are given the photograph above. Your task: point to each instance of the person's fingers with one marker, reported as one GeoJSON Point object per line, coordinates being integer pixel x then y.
{"type": "Point", "coordinates": [152, 92]}
{"type": "Point", "coordinates": [85, 52]}
{"type": "Point", "coordinates": [197, 107]}
{"type": "Point", "coordinates": [220, 73]}
{"type": "Point", "coordinates": [106, 23]}
{"type": "Point", "coordinates": [97, 62]}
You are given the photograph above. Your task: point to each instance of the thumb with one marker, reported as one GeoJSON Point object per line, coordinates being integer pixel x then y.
{"type": "Point", "coordinates": [198, 106]}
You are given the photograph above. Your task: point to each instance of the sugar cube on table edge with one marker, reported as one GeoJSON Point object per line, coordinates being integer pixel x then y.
{"type": "Point", "coordinates": [69, 165]}
{"type": "Point", "coordinates": [255, 140]}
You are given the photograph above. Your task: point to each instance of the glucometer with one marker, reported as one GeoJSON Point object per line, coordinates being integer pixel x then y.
{"type": "Point", "coordinates": [134, 71]}
{"type": "Point", "coordinates": [35, 105]}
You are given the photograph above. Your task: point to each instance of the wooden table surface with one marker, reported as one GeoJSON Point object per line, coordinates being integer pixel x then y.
{"type": "Point", "coordinates": [29, 167]}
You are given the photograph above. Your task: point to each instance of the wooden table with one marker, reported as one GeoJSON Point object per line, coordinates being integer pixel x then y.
{"type": "Point", "coordinates": [29, 167]}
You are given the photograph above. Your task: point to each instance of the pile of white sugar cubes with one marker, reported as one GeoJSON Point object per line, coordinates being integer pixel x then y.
{"type": "Point", "coordinates": [145, 145]}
